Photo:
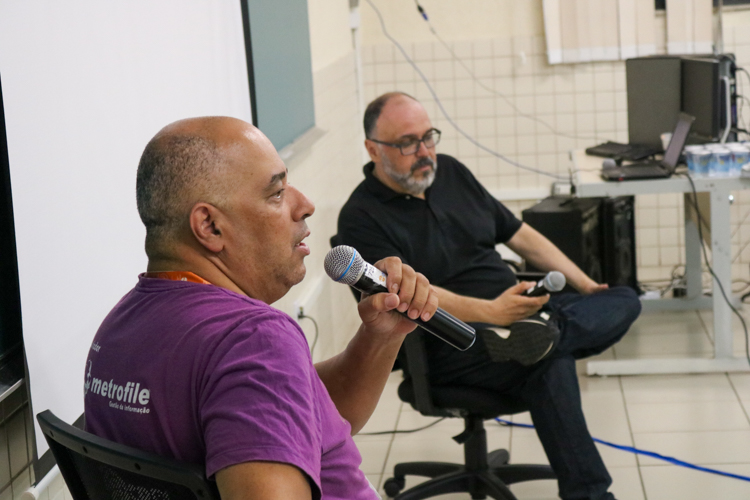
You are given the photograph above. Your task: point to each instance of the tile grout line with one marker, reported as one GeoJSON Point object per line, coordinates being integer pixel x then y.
{"type": "Point", "coordinates": [739, 399]}
{"type": "Point", "coordinates": [632, 436]}
{"type": "Point", "coordinates": [390, 447]}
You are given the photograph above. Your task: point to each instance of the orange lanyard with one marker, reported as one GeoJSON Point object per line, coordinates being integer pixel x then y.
{"type": "Point", "coordinates": [178, 276]}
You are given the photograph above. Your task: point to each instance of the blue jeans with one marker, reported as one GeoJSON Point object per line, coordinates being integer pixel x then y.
{"type": "Point", "coordinates": [589, 324]}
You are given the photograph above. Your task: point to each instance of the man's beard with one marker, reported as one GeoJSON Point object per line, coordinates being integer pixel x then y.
{"type": "Point", "coordinates": [407, 181]}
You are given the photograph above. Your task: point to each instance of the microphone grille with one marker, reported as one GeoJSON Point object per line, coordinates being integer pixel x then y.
{"type": "Point", "coordinates": [555, 281]}
{"type": "Point", "coordinates": [344, 264]}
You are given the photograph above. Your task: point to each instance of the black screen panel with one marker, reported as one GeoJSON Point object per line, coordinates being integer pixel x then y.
{"type": "Point", "coordinates": [10, 302]}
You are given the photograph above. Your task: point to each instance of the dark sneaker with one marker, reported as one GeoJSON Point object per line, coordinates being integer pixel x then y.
{"type": "Point", "coordinates": [526, 341]}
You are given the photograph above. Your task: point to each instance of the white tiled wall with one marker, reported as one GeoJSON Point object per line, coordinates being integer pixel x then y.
{"type": "Point", "coordinates": [567, 107]}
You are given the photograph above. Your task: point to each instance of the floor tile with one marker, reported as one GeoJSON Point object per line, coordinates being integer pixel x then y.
{"type": "Point", "coordinates": [375, 480]}
{"type": "Point", "coordinates": [660, 323]}
{"type": "Point", "coordinates": [410, 420]}
{"type": "Point", "coordinates": [525, 448]}
{"type": "Point", "coordinates": [373, 454]}
{"type": "Point", "coordinates": [384, 418]}
{"type": "Point", "coordinates": [626, 483]}
{"type": "Point", "coordinates": [741, 383]}
{"type": "Point", "coordinates": [672, 482]}
{"type": "Point", "coordinates": [677, 388]}
{"type": "Point", "coordinates": [536, 490]}
{"type": "Point", "coordinates": [413, 450]}
{"type": "Point", "coordinates": [701, 448]}
{"type": "Point", "coordinates": [690, 416]}
{"type": "Point", "coordinates": [683, 343]}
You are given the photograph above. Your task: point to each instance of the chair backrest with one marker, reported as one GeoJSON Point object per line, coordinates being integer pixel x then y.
{"type": "Point", "coordinates": [415, 388]}
{"type": "Point", "coordinates": [98, 469]}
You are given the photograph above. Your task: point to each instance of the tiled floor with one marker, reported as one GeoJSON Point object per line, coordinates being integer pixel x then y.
{"type": "Point", "coordinates": [701, 419]}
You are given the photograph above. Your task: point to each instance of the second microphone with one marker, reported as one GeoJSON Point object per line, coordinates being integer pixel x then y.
{"type": "Point", "coordinates": [344, 264]}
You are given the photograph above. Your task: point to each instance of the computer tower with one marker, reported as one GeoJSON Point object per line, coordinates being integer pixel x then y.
{"type": "Point", "coordinates": [573, 225]}
{"type": "Point", "coordinates": [654, 91]}
{"type": "Point", "coordinates": [709, 94]}
{"type": "Point", "coordinates": [617, 220]}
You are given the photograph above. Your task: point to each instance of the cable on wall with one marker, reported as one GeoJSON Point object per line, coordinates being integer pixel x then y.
{"type": "Point", "coordinates": [445, 113]}
{"type": "Point", "coordinates": [315, 339]}
{"type": "Point", "coordinates": [490, 89]}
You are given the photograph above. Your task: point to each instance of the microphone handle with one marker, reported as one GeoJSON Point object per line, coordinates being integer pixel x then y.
{"type": "Point", "coordinates": [537, 290]}
{"type": "Point", "coordinates": [443, 325]}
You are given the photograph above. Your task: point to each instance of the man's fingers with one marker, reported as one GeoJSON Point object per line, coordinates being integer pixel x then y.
{"type": "Point", "coordinates": [421, 292]}
{"type": "Point", "coordinates": [542, 299]}
{"type": "Point", "coordinates": [372, 305]}
{"type": "Point", "coordinates": [407, 288]}
{"type": "Point", "coordinates": [519, 287]}
{"type": "Point", "coordinates": [431, 305]}
{"type": "Point", "coordinates": [392, 266]}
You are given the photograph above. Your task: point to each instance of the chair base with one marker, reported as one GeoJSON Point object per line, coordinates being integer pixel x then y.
{"type": "Point", "coordinates": [446, 477]}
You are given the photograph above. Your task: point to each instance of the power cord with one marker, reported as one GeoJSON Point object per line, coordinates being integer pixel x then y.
{"type": "Point", "coordinates": [490, 89]}
{"type": "Point", "coordinates": [637, 451]}
{"type": "Point", "coordinates": [694, 203]}
{"type": "Point", "coordinates": [315, 339]}
{"type": "Point", "coordinates": [409, 431]}
{"type": "Point", "coordinates": [445, 113]}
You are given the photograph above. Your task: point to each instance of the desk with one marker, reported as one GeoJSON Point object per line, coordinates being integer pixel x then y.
{"type": "Point", "coordinates": [588, 183]}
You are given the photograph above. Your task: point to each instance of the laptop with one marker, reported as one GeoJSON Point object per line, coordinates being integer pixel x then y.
{"type": "Point", "coordinates": [661, 169]}
{"type": "Point", "coordinates": [619, 151]}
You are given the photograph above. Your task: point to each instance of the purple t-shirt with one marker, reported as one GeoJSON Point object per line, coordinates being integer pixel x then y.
{"type": "Point", "coordinates": [208, 376]}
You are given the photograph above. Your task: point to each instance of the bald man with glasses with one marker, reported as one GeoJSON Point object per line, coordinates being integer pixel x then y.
{"type": "Point", "coordinates": [430, 211]}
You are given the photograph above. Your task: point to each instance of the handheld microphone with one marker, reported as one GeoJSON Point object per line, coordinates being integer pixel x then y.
{"type": "Point", "coordinates": [553, 282]}
{"type": "Point", "coordinates": [344, 264]}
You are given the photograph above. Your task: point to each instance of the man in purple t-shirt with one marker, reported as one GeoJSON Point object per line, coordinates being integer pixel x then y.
{"type": "Point", "coordinates": [195, 364]}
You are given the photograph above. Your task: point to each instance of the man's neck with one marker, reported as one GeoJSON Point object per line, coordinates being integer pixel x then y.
{"type": "Point", "coordinates": [202, 268]}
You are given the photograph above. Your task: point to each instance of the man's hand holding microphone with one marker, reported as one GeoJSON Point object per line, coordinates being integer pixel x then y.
{"type": "Point", "coordinates": [524, 299]}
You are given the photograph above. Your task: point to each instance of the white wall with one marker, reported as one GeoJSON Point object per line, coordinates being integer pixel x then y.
{"type": "Point", "coordinates": [86, 84]}
{"type": "Point", "coordinates": [465, 20]}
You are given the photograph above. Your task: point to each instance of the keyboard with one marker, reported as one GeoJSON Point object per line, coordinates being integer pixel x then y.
{"type": "Point", "coordinates": [621, 151]}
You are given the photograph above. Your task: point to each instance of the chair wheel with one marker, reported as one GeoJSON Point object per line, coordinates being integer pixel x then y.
{"type": "Point", "coordinates": [394, 485]}
{"type": "Point", "coordinates": [498, 458]}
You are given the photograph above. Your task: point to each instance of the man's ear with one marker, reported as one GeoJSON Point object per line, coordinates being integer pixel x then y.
{"type": "Point", "coordinates": [206, 223]}
{"type": "Point", "coordinates": [373, 150]}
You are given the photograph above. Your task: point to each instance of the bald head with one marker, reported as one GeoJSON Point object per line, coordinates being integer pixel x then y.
{"type": "Point", "coordinates": [375, 108]}
{"type": "Point", "coordinates": [186, 162]}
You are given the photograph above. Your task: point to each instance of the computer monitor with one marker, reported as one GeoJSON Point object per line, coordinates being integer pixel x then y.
{"type": "Point", "coordinates": [653, 89]}
{"type": "Point", "coordinates": [702, 97]}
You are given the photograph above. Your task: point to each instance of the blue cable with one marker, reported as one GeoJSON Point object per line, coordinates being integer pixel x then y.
{"type": "Point", "coordinates": [651, 454]}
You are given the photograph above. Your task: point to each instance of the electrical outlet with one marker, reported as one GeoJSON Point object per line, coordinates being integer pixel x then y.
{"type": "Point", "coordinates": [562, 189]}
{"type": "Point", "coordinates": [299, 310]}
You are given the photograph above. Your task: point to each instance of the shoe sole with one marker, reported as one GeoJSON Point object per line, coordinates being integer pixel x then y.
{"type": "Point", "coordinates": [527, 341]}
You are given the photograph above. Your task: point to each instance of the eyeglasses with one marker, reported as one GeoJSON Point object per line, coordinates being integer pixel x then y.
{"type": "Point", "coordinates": [411, 146]}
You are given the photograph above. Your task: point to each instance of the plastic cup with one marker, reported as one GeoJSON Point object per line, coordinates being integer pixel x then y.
{"type": "Point", "coordinates": [698, 161]}
{"type": "Point", "coordinates": [721, 162]}
{"type": "Point", "coordinates": [740, 157]}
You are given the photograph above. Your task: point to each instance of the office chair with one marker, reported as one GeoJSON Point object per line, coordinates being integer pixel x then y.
{"type": "Point", "coordinates": [98, 469]}
{"type": "Point", "coordinates": [482, 473]}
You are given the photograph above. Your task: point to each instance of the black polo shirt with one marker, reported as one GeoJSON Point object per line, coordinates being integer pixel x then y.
{"type": "Point", "coordinates": [449, 237]}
